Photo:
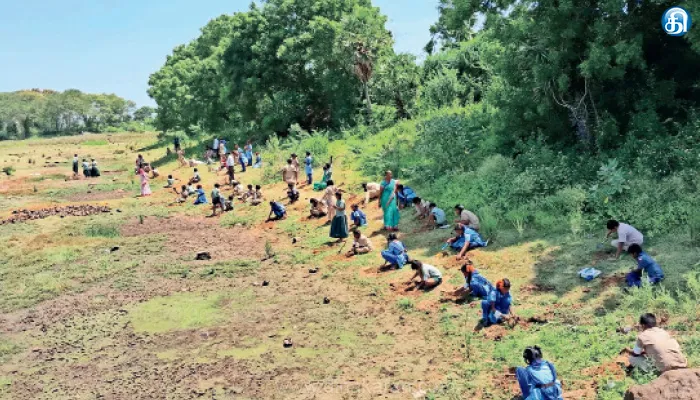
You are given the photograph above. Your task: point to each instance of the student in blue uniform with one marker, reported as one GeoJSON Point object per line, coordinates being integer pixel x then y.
{"type": "Point", "coordinates": [278, 210]}
{"type": "Point", "coordinates": [201, 196]}
{"type": "Point", "coordinates": [405, 195]}
{"type": "Point", "coordinates": [258, 161]}
{"type": "Point", "coordinates": [497, 303]}
{"type": "Point", "coordinates": [476, 285]}
{"type": "Point", "coordinates": [538, 381]}
{"type": "Point", "coordinates": [358, 217]}
{"type": "Point", "coordinates": [644, 264]}
{"type": "Point", "coordinates": [308, 168]}
{"type": "Point", "coordinates": [249, 152]}
{"type": "Point", "coordinates": [465, 239]}
{"type": "Point", "coordinates": [395, 256]}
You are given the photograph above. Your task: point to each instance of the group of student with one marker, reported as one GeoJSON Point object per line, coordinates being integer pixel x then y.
{"type": "Point", "coordinates": [90, 169]}
{"type": "Point", "coordinates": [538, 380]}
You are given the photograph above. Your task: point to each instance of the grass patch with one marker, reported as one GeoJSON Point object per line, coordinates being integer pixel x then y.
{"type": "Point", "coordinates": [95, 142]}
{"type": "Point", "coordinates": [178, 312]}
{"type": "Point", "coordinates": [243, 353]}
{"type": "Point", "coordinates": [7, 350]}
{"type": "Point", "coordinates": [405, 304]}
{"type": "Point", "coordinates": [102, 230]}
{"type": "Point", "coordinates": [229, 269]}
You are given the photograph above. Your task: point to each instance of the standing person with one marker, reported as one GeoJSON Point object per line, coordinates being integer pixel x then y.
{"type": "Point", "coordinates": [249, 152]}
{"type": "Point", "coordinates": [145, 187]}
{"type": "Point", "coordinates": [395, 255]}
{"type": "Point", "coordinates": [626, 235]}
{"type": "Point", "coordinates": [308, 168]}
{"type": "Point", "coordinates": [75, 165]}
{"type": "Point", "coordinates": [140, 162]}
{"type": "Point", "coordinates": [242, 158]}
{"type": "Point", "coordinates": [216, 200]}
{"type": "Point", "coordinates": [372, 191]}
{"type": "Point", "coordinates": [86, 168]}
{"type": "Point", "coordinates": [655, 347]}
{"type": "Point", "coordinates": [359, 219]}
{"type": "Point", "coordinates": [339, 226]}
{"type": "Point", "coordinates": [176, 143]}
{"type": "Point", "coordinates": [497, 303]}
{"type": "Point", "coordinates": [258, 160]}
{"type": "Point", "coordinates": [181, 158]}
{"type": "Point", "coordinates": [289, 173]}
{"type": "Point", "coordinates": [466, 217]}
{"type": "Point", "coordinates": [360, 245]}
{"type": "Point", "coordinates": [539, 379]}
{"type": "Point", "coordinates": [388, 202]}
{"type": "Point", "coordinates": [295, 163]}
{"type": "Point", "coordinates": [215, 145]}
{"type": "Point", "coordinates": [278, 210]}
{"type": "Point", "coordinates": [429, 275]}
{"type": "Point", "coordinates": [230, 162]}
{"type": "Point", "coordinates": [464, 240]}
{"type": "Point", "coordinates": [644, 263]}
{"type": "Point", "coordinates": [94, 172]}
{"type": "Point", "coordinates": [329, 198]}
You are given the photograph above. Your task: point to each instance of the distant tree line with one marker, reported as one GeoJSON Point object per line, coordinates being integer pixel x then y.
{"type": "Point", "coordinates": [46, 112]}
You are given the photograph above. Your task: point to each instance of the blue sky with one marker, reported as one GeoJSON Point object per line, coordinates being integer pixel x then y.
{"type": "Point", "coordinates": [112, 46]}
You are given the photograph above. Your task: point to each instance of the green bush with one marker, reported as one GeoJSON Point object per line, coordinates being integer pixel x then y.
{"type": "Point", "coordinates": [8, 170]}
{"type": "Point", "coordinates": [102, 230]}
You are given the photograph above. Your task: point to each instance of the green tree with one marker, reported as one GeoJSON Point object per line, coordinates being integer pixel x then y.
{"type": "Point", "coordinates": [144, 113]}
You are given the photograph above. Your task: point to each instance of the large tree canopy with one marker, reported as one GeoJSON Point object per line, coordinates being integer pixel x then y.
{"type": "Point", "coordinates": [583, 71]}
{"type": "Point", "coordinates": [309, 62]}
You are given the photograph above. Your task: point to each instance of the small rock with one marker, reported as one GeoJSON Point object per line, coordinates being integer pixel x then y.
{"type": "Point", "coordinates": [203, 256]}
{"type": "Point", "coordinates": [313, 270]}
{"type": "Point", "coordinates": [266, 283]}
{"type": "Point", "coordinates": [295, 240]}
{"type": "Point", "coordinates": [118, 210]}
{"type": "Point", "coordinates": [419, 394]}
{"type": "Point", "coordinates": [115, 248]}
{"type": "Point", "coordinates": [326, 300]}
{"type": "Point", "coordinates": [624, 329]}
{"type": "Point", "coordinates": [287, 343]}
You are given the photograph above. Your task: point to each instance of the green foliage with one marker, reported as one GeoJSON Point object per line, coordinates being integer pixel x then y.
{"type": "Point", "coordinates": [285, 62]}
{"type": "Point", "coordinates": [48, 112]}
{"type": "Point", "coordinates": [102, 230]}
{"type": "Point", "coordinates": [405, 304]}
{"type": "Point", "coordinates": [9, 170]}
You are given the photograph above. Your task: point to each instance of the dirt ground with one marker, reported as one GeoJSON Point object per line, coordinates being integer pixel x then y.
{"type": "Point", "coordinates": [126, 311]}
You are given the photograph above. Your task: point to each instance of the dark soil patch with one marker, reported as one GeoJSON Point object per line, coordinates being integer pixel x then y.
{"type": "Point", "coordinates": [187, 236]}
{"type": "Point", "coordinates": [99, 196]}
{"type": "Point", "coordinates": [68, 211]}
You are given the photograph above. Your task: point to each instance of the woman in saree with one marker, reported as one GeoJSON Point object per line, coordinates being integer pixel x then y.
{"type": "Point", "coordinates": [145, 187]}
{"type": "Point", "coordinates": [388, 202]}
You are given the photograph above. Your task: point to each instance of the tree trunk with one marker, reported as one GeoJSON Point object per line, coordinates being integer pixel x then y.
{"type": "Point", "coordinates": [368, 101]}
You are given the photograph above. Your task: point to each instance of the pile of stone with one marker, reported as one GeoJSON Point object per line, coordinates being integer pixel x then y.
{"type": "Point", "coordinates": [67, 211]}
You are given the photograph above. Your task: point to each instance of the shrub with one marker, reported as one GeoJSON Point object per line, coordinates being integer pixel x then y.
{"type": "Point", "coordinates": [8, 170]}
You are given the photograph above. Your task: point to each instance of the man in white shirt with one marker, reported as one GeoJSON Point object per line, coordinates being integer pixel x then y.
{"type": "Point", "coordinates": [626, 236]}
{"type": "Point", "coordinates": [230, 162]}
